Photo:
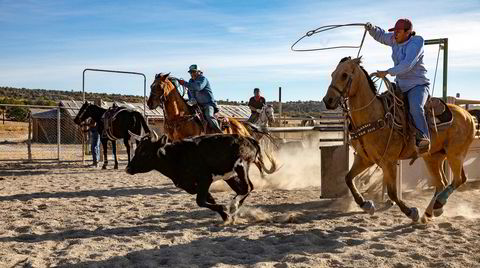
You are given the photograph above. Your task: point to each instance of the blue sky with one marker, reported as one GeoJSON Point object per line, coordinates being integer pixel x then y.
{"type": "Point", "coordinates": [238, 44]}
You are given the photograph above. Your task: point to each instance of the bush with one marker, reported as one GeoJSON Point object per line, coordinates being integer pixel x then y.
{"type": "Point", "coordinates": [17, 113]}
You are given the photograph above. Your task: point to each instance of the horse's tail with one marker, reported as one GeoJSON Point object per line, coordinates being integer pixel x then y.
{"type": "Point", "coordinates": [476, 115]}
{"type": "Point", "coordinates": [143, 122]}
{"type": "Point", "coordinates": [259, 159]}
{"type": "Point", "coordinates": [260, 131]}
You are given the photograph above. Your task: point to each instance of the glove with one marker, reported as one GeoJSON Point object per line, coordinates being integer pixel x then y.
{"type": "Point", "coordinates": [368, 26]}
{"type": "Point", "coordinates": [181, 81]}
{"type": "Point", "coordinates": [191, 102]}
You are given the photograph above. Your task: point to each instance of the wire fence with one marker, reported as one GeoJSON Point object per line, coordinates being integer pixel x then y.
{"type": "Point", "coordinates": [43, 133]}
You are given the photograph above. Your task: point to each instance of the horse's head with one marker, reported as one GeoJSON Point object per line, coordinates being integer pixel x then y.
{"type": "Point", "coordinates": [83, 114]}
{"type": "Point", "coordinates": [266, 117]}
{"type": "Point", "coordinates": [160, 87]}
{"type": "Point", "coordinates": [341, 86]}
{"type": "Point", "coordinates": [268, 111]}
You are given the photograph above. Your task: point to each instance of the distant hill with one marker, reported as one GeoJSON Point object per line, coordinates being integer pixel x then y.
{"type": "Point", "coordinates": [9, 95]}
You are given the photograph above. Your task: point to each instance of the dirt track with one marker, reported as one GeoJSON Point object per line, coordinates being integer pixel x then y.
{"type": "Point", "coordinates": [73, 216]}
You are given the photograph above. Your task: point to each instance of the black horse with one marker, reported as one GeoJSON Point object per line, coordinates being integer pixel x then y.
{"type": "Point", "coordinates": [113, 124]}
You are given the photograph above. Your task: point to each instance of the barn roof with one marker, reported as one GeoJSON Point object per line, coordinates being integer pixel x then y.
{"type": "Point", "coordinates": [43, 113]}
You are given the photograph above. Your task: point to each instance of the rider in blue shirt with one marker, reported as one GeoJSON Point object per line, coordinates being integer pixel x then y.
{"type": "Point", "coordinates": [200, 91]}
{"type": "Point", "coordinates": [409, 72]}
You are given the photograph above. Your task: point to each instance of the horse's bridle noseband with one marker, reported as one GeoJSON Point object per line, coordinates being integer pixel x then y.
{"type": "Point", "coordinates": [346, 89]}
{"type": "Point", "coordinates": [161, 97]}
{"type": "Point", "coordinates": [83, 112]}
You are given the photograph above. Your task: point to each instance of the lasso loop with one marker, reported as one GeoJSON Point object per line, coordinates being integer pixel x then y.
{"type": "Point", "coordinates": [326, 28]}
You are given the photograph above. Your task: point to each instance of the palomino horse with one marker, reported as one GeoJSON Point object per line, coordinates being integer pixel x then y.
{"type": "Point", "coordinates": [352, 86]}
{"type": "Point", "coordinates": [118, 124]}
{"type": "Point", "coordinates": [180, 122]}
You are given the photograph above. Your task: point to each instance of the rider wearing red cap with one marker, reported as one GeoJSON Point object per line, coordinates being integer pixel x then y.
{"type": "Point", "coordinates": [409, 72]}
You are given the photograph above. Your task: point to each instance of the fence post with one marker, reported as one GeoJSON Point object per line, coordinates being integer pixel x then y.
{"type": "Point", "coordinates": [334, 162]}
{"type": "Point", "coordinates": [29, 142]}
{"type": "Point", "coordinates": [58, 133]}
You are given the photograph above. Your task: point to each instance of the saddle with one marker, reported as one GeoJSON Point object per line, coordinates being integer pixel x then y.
{"type": "Point", "coordinates": [197, 110]}
{"type": "Point", "coordinates": [108, 117]}
{"type": "Point", "coordinates": [438, 115]}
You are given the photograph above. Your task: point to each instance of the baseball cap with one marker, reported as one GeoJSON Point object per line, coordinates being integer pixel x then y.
{"type": "Point", "coordinates": [402, 24]}
{"type": "Point", "coordinates": [192, 68]}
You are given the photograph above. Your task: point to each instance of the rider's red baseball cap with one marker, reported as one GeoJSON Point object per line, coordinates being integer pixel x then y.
{"type": "Point", "coordinates": [402, 24]}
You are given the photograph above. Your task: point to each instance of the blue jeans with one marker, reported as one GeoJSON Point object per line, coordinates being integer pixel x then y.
{"type": "Point", "coordinates": [95, 146]}
{"type": "Point", "coordinates": [417, 97]}
{"type": "Point", "coordinates": [208, 112]}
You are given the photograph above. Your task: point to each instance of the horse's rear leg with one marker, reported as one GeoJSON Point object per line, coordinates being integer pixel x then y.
{"type": "Point", "coordinates": [459, 178]}
{"type": "Point", "coordinates": [105, 158]}
{"type": "Point", "coordinates": [114, 151]}
{"type": "Point", "coordinates": [439, 181]}
{"type": "Point", "coordinates": [359, 165]}
{"type": "Point", "coordinates": [389, 178]}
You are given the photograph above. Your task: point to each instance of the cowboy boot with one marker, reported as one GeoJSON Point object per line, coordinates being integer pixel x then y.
{"type": "Point", "coordinates": [422, 144]}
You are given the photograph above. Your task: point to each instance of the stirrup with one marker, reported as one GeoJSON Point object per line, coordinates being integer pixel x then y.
{"type": "Point", "coordinates": [422, 146]}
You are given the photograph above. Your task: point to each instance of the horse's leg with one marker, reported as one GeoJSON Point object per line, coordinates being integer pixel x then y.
{"type": "Point", "coordinates": [359, 165]}
{"type": "Point", "coordinates": [456, 164]}
{"type": "Point", "coordinates": [389, 178]}
{"type": "Point", "coordinates": [114, 151]}
{"type": "Point", "coordinates": [439, 181]}
{"type": "Point", "coordinates": [105, 158]}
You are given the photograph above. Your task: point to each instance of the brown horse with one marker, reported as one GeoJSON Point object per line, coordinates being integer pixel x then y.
{"type": "Point", "coordinates": [352, 86]}
{"type": "Point", "coordinates": [180, 122]}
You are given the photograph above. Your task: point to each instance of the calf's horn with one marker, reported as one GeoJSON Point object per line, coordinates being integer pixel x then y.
{"type": "Point", "coordinates": [135, 136]}
{"type": "Point", "coordinates": [154, 136]}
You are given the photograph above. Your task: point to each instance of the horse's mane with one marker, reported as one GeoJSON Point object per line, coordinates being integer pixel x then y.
{"type": "Point", "coordinates": [373, 87]}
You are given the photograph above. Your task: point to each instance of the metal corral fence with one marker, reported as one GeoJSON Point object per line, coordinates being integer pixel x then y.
{"type": "Point", "coordinates": [49, 133]}
{"type": "Point", "coordinates": [46, 133]}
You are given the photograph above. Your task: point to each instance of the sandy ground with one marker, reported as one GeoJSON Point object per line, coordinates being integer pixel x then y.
{"type": "Point", "coordinates": [73, 216]}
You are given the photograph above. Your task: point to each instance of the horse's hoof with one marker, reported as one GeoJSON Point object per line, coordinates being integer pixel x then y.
{"type": "Point", "coordinates": [104, 167]}
{"type": "Point", "coordinates": [228, 221]}
{"type": "Point", "coordinates": [388, 204]}
{"type": "Point", "coordinates": [438, 212]}
{"type": "Point", "coordinates": [115, 167]}
{"type": "Point", "coordinates": [424, 219]}
{"type": "Point", "coordinates": [369, 207]}
{"type": "Point", "coordinates": [413, 214]}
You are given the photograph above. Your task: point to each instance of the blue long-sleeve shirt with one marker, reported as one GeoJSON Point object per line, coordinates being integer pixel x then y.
{"type": "Point", "coordinates": [409, 70]}
{"type": "Point", "coordinates": [200, 90]}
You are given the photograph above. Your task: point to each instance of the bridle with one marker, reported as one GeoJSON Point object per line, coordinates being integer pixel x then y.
{"type": "Point", "coordinates": [82, 112]}
{"type": "Point", "coordinates": [154, 93]}
{"type": "Point", "coordinates": [344, 95]}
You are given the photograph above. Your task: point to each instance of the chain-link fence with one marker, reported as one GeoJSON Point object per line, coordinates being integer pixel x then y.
{"type": "Point", "coordinates": [36, 133]}
{"type": "Point", "coordinates": [30, 133]}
